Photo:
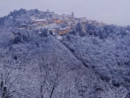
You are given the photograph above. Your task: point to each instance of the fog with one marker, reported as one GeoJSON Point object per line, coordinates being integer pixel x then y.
{"type": "Point", "coordinates": [108, 11]}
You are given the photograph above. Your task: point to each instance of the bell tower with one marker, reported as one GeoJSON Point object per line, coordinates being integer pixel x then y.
{"type": "Point", "coordinates": [72, 15]}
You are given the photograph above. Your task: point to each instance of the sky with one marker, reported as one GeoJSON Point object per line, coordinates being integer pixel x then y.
{"type": "Point", "coordinates": [107, 11]}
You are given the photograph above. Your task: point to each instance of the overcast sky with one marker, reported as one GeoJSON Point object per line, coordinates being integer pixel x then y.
{"type": "Point", "coordinates": [108, 11]}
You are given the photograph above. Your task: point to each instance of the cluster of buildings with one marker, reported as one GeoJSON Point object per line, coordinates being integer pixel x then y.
{"type": "Point", "coordinates": [60, 24]}
{"type": "Point", "coordinates": [55, 23]}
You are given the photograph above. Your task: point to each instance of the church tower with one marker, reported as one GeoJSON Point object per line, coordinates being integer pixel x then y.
{"type": "Point", "coordinates": [47, 11]}
{"type": "Point", "coordinates": [72, 14]}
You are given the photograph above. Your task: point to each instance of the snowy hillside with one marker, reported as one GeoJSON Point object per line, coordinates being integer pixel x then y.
{"type": "Point", "coordinates": [35, 63]}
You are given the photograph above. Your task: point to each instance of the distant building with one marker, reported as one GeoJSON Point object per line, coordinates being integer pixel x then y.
{"type": "Point", "coordinates": [57, 21]}
{"type": "Point", "coordinates": [69, 23]}
{"type": "Point", "coordinates": [54, 16]}
{"type": "Point", "coordinates": [40, 21]}
{"type": "Point", "coordinates": [47, 10]}
{"type": "Point", "coordinates": [72, 15]}
{"type": "Point", "coordinates": [83, 19]}
{"type": "Point", "coordinates": [51, 26]}
{"type": "Point", "coordinates": [64, 30]}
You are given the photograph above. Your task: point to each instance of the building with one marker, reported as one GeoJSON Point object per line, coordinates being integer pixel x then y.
{"type": "Point", "coordinates": [64, 30]}
{"type": "Point", "coordinates": [51, 26]}
{"type": "Point", "coordinates": [72, 15]}
{"type": "Point", "coordinates": [40, 21]}
{"type": "Point", "coordinates": [57, 21]}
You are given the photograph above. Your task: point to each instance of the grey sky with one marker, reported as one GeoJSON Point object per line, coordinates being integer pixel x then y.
{"type": "Point", "coordinates": [108, 11]}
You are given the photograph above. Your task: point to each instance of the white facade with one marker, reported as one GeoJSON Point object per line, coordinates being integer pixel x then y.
{"type": "Point", "coordinates": [51, 26]}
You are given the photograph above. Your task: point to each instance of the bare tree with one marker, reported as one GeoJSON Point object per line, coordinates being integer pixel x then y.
{"type": "Point", "coordinates": [49, 79]}
{"type": "Point", "coordinates": [49, 75]}
{"type": "Point", "coordinates": [8, 79]}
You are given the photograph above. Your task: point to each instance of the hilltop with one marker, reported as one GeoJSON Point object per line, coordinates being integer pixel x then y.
{"type": "Point", "coordinates": [46, 55]}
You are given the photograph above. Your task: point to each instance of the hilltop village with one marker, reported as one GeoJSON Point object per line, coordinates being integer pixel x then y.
{"type": "Point", "coordinates": [55, 23]}
{"type": "Point", "coordinates": [58, 23]}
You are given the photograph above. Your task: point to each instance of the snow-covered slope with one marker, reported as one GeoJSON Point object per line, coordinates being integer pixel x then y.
{"type": "Point", "coordinates": [93, 65]}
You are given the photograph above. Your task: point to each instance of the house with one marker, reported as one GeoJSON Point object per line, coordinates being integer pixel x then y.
{"type": "Point", "coordinates": [57, 21]}
{"type": "Point", "coordinates": [40, 21]}
{"type": "Point", "coordinates": [64, 30]}
{"type": "Point", "coordinates": [83, 19]}
{"type": "Point", "coordinates": [51, 26]}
